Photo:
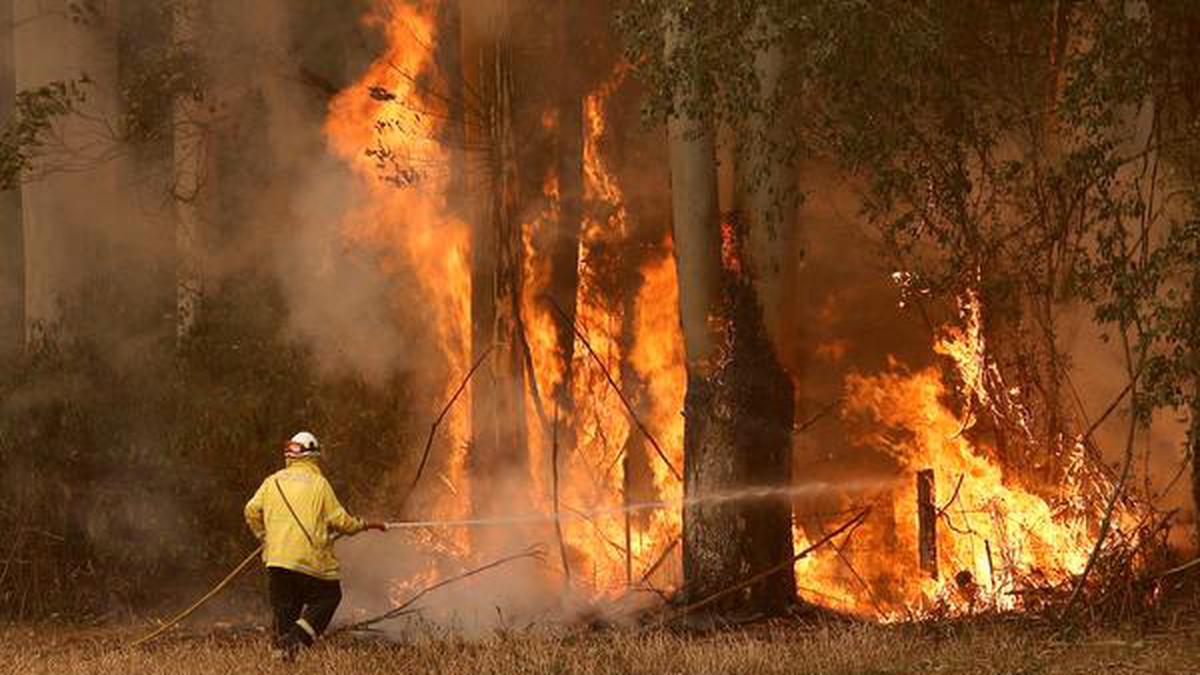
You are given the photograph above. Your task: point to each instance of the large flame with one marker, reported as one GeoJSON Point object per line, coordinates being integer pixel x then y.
{"type": "Point", "coordinates": [996, 538]}
{"type": "Point", "coordinates": [390, 132]}
{"type": "Point", "coordinates": [994, 535]}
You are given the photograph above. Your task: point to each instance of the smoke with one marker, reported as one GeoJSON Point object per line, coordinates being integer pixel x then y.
{"type": "Point", "coordinates": [846, 317]}
{"type": "Point", "coordinates": [274, 201]}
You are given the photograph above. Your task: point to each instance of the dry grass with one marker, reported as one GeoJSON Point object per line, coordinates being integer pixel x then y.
{"type": "Point", "coordinates": [976, 649]}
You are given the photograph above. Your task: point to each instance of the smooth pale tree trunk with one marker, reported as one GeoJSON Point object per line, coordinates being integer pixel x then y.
{"type": "Point", "coordinates": [767, 182]}
{"type": "Point", "coordinates": [1194, 426]}
{"type": "Point", "coordinates": [66, 239]}
{"type": "Point", "coordinates": [1186, 33]}
{"type": "Point", "coordinates": [736, 393]}
{"type": "Point", "coordinates": [190, 161]}
{"type": "Point", "coordinates": [12, 241]}
{"type": "Point", "coordinates": [711, 559]}
{"type": "Point", "coordinates": [772, 260]}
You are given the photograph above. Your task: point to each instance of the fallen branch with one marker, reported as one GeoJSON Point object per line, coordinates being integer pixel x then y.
{"type": "Point", "coordinates": [853, 522]}
{"type": "Point", "coordinates": [1106, 523]}
{"type": "Point", "coordinates": [858, 577]}
{"type": "Point", "coordinates": [562, 546]}
{"type": "Point", "coordinates": [820, 415]}
{"type": "Point", "coordinates": [196, 605]}
{"type": "Point", "coordinates": [437, 422]}
{"type": "Point", "coordinates": [662, 558]}
{"type": "Point", "coordinates": [1176, 570]}
{"type": "Point", "coordinates": [953, 497]}
{"type": "Point", "coordinates": [402, 609]}
{"type": "Point", "coordinates": [620, 394]}
{"type": "Point", "coordinates": [534, 392]}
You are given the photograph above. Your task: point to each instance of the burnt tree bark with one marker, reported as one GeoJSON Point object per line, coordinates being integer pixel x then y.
{"type": "Point", "coordinates": [739, 406]}
{"type": "Point", "coordinates": [927, 522]}
{"type": "Point", "coordinates": [564, 247]}
{"type": "Point", "coordinates": [771, 260]}
{"type": "Point", "coordinates": [498, 435]}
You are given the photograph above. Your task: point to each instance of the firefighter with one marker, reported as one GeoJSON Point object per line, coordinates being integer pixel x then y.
{"type": "Point", "coordinates": [296, 515]}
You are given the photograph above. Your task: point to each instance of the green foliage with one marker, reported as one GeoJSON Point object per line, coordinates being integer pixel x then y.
{"type": "Point", "coordinates": [33, 117]}
{"type": "Point", "coordinates": [156, 71]}
{"type": "Point", "coordinates": [124, 475]}
{"type": "Point", "coordinates": [1005, 147]}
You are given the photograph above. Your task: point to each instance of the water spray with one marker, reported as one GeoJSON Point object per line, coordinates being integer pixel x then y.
{"type": "Point", "coordinates": [747, 494]}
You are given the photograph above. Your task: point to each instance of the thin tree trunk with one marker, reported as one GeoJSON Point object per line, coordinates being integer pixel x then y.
{"type": "Point", "coordinates": [564, 249]}
{"type": "Point", "coordinates": [190, 153]}
{"type": "Point", "coordinates": [1194, 427]}
{"type": "Point", "coordinates": [12, 240]}
{"type": "Point", "coordinates": [51, 46]}
{"type": "Point", "coordinates": [498, 447]}
{"type": "Point", "coordinates": [450, 64]}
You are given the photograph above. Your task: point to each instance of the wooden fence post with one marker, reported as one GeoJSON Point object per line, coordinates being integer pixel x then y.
{"type": "Point", "coordinates": [927, 522]}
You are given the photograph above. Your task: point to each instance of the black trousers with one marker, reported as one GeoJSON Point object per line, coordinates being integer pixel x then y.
{"type": "Point", "coordinates": [303, 605]}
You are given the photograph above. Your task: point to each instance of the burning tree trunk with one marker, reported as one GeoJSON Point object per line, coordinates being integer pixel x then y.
{"type": "Point", "coordinates": [771, 260]}
{"type": "Point", "coordinates": [12, 240]}
{"type": "Point", "coordinates": [739, 406]}
{"type": "Point", "coordinates": [564, 248]}
{"type": "Point", "coordinates": [498, 443]}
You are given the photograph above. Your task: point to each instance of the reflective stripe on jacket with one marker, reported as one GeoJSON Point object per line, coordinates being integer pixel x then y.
{"type": "Point", "coordinates": [302, 542]}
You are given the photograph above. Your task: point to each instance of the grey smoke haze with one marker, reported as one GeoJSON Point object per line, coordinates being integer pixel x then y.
{"type": "Point", "coordinates": [277, 199]}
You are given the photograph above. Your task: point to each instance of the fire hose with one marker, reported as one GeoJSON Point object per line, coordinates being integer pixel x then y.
{"type": "Point", "coordinates": [203, 599]}
{"type": "Point", "coordinates": [533, 519]}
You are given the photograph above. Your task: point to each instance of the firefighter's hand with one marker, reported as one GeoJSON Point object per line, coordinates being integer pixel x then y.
{"type": "Point", "coordinates": [377, 526]}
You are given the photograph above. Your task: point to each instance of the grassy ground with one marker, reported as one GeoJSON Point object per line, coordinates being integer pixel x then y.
{"type": "Point", "coordinates": [1008, 648]}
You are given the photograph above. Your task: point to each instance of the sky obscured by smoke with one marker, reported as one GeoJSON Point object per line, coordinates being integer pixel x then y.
{"type": "Point", "coordinates": [274, 200]}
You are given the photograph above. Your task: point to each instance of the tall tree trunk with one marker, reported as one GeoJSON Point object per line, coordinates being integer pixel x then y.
{"type": "Point", "coordinates": [12, 240]}
{"type": "Point", "coordinates": [449, 58]}
{"type": "Point", "coordinates": [499, 455]}
{"type": "Point", "coordinates": [1181, 115]}
{"type": "Point", "coordinates": [772, 261]}
{"type": "Point", "coordinates": [767, 183]}
{"type": "Point", "coordinates": [65, 239]}
{"type": "Point", "coordinates": [1194, 424]}
{"type": "Point", "coordinates": [190, 160]}
{"type": "Point", "coordinates": [564, 247]}
{"type": "Point", "coordinates": [736, 392]}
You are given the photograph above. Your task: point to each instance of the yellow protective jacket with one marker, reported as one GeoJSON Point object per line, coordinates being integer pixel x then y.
{"type": "Point", "coordinates": [302, 542]}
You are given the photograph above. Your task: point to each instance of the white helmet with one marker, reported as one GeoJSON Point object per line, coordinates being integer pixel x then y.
{"type": "Point", "coordinates": [303, 444]}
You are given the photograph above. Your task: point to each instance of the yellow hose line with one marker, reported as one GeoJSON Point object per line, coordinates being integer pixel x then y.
{"type": "Point", "coordinates": [207, 596]}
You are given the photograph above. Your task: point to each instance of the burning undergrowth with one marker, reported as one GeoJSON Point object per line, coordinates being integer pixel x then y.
{"type": "Point", "coordinates": [599, 427]}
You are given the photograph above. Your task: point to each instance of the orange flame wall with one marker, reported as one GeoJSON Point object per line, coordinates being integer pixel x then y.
{"type": "Point", "coordinates": [389, 133]}
{"type": "Point", "coordinates": [993, 532]}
